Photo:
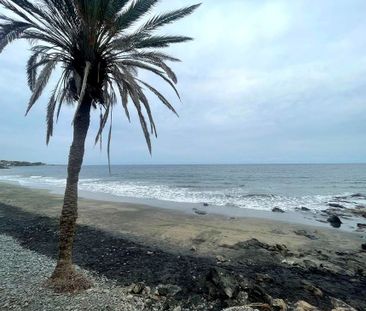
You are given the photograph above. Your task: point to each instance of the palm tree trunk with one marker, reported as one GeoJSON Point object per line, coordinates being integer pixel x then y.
{"type": "Point", "coordinates": [64, 273]}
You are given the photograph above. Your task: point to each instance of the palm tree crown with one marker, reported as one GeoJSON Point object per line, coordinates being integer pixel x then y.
{"type": "Point", "coordinates": [100, 50]}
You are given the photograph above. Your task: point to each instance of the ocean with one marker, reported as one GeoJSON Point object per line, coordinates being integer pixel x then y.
{"type": "Point", "coordinates": [260, 187]}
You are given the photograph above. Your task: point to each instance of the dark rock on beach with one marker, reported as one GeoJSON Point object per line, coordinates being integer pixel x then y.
{"type": "Point", "coordinates": [306, 234]}
{"type": "Point", "coordinates": [258, 294]}
{"type": "Point", "coordinates": [137, 288]}
{"type": "Point", "coordinates": [336, 205]}
{"type": "Point", "coordinates": [222, 283]}
{"type": "Point", "coordinates": [199, 212]}
{"type": "Point", "coordinates": [340, 305]}
{"type": "Point", "coordinates": [304, 306]}
{"type": "Point", "coordinates": [279, 305]}
{"type": "Point", "coordinates": [334, 221]}
{"type": "Point", "coordinates": [358, 195]}
{"type": "Point", "coordinates": [312, 289]}
{"type": "Point", "coordinates": [239, 308]}
{"type": "Point", "coordinates": [277, 210]}
{"type": "Point", "coordinates": [168, 290]}
{"type": "Point", "coordinates": [359, 210]}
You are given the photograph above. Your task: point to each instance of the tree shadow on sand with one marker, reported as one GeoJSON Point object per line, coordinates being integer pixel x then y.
{"type": "Point", "coordinates": [118, 258]}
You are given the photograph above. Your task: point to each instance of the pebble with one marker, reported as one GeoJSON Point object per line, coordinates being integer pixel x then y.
{"type": "Point", "coordinates": [23, 273]}
{"type": "Point", "coordinates": [220, 258]}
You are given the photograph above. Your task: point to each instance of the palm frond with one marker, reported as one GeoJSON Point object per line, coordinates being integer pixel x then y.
{"type": "Point", "coordinates": [11, 31]}
{"type": "Point", "coordinates": [160, 41]}
{"type": "Point", "coordinates": [135, 11]}
{"type": "Point", "coordinates": [114, 7]}
{"type": "Point", "coordinates": [32, 70]}
{"type": "Point", "coordinates": [124, 98]}
{"type": "Point", "coordinates": [41, 83]}
{"type": "Point", "coordinates": [160, 96]}
{"type": "Point", "coordinates": [50, 115]}
{"type": "Point", "coordinates": [109, 142]}
{"type": "Point", "coordinates": [167, 18]}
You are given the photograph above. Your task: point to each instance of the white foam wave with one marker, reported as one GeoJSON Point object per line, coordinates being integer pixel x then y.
{"type": "Point", "coordinates": [235, 197]}
{"type": "Point", "coordinates": [229, 197]}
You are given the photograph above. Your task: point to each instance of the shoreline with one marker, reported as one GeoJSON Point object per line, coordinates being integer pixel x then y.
{"type": "Point", "coordinates": [178, 223]}
{"type": "Point", "coordinates": [131, 243]}
{"type": "Point", "coordinates": [309, 218]}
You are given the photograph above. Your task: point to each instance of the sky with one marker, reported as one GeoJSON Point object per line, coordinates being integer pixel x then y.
{"type": "Point", "coordinates": [264, 81]}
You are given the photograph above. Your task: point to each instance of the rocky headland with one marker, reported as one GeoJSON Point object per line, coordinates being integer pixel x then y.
{"type": "Point", "coordinates": [4, 164]}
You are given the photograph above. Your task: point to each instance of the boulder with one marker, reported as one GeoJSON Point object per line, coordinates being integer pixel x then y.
{"type": "Point", "coordinates": [222, 284]}
{"type": "Point", "coordinates": [334, 221]}
{"type": "Point", "coordinates": [277, 210]}
{"type": "Point", "coordinates": [358, 195]}
{"type": "Point", "coordinates": [137, 288]}
{"type": "Point", "coordinates": [361, 226]}
{"type": "Point", "coordinates": [250, 244]}
{"type": "Point", "coordinates": [358, 211]}
{"type": "Point", "coordinates": [167, 290]}
{"type": "Point", "coordinates": [242, 298]}
{"type": "Point", "coordinates": [336, 205]}
{"type": "Point", "coordinates": [199, 212]}
{"type": "Point", "coordinates": [363, 246]}
{"type": "Point", "coordinates": [306, 234]}
{"type": "Point", "coordinates": [258, 294]}
{"type": "Point", "coordinates": [263, 277]}
{"type": "Point", "coordinates": [311, 288]}
{"type": "Point", "coordinates": [260, 306]}
{"type": "Point", "coordinates": [339, 305]}
{"type": "Point", "coordinates": [220, 258]}
{"type": "Point", "coordinates": [304, 306]}
{"type": "Point", "coordinates": [147, 291]}
{"type": "Point", "coordinates": [205, 204]}
{"type": "Point", "coordinates": [279, 305]}
{"type": "Point", "coordinates": [241, 308]}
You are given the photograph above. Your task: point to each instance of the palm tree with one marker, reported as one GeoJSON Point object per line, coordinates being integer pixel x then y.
{"type": "Point", "coordinates": [99, 45]}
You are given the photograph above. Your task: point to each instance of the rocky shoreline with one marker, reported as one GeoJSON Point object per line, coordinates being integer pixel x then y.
{"type": "Point", "coordinates": [4, 164]}
{"type": "Point", "coordinates": [339, 210]}
{"type": "Point", "coordinates": [248, 275]}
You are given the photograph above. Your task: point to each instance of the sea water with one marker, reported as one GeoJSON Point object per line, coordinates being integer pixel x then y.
{"type": "Point", "coordinates": [261, 187]}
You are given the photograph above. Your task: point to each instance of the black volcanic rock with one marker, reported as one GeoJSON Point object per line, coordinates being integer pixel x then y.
{"type": "Point", "coordinates": [336, 205]}
{"type": "Point", "coordinates": [334, 221]}
{"type": "Point", "coordinates": [277, 210]}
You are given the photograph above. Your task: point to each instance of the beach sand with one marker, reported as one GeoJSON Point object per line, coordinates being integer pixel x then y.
{"type": "Point", "coordinates": [290, 255]}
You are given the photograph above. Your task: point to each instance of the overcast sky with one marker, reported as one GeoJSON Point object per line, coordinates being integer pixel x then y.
{"type": "Point", "coordinates": [265, 81]}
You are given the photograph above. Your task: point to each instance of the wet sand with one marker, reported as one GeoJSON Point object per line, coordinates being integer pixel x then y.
{"type": "Point", "coordinates": [184, 228]}
{"type": "Point", "coordinates": [187, 246]}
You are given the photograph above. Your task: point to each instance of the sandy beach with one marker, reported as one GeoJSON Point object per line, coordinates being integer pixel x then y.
{"type": "Point", "coordinates": [130, 243]}
{"type": "Point", "coordinates": [182, 156]}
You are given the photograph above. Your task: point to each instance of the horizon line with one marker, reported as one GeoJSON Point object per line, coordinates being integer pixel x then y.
{"type": "Point", "coordinates": [187, 164]}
